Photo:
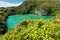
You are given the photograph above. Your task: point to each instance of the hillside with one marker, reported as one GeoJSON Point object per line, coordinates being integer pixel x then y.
{"type": "Point", "coordinates": [31, 6]}
{"type": "Point", "coordinates": [35, 30]}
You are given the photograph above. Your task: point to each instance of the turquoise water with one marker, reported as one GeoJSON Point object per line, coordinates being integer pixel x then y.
{"type": "Point", "coordinates": [12, 20]}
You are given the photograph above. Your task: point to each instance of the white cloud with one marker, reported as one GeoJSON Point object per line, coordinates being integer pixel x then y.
{"type": "Point", "coordinates": [7, 4]}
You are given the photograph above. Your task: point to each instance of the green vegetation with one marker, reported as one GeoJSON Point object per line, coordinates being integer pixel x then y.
{"type": "Point", "coordinates": [28, 29]}
{"type": "Point", "coordinates": [35, 30]}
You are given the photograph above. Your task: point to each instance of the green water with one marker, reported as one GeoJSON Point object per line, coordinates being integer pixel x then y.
{"type": "Point", "coordinates": [12, 20]}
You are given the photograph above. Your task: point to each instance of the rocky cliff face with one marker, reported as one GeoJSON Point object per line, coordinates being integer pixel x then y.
{"type": "Point", "coordinates": [40, 11]}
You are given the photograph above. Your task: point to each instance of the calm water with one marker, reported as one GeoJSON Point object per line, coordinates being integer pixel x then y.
{"type": "Point", "coordinates": [12, 20]}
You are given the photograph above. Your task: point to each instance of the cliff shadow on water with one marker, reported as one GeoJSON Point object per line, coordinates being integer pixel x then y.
{"type": "Point", "coordinates": [3, 28]}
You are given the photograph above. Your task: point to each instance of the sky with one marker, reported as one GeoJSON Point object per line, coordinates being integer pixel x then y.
{"type": "Point", "coordinates": [9, 3]}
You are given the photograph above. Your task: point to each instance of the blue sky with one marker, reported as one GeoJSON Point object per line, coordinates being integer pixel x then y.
{"type": "Point", "coordinates": [9, 3]}
{"type": "Point", "coordinates": [13, 1]}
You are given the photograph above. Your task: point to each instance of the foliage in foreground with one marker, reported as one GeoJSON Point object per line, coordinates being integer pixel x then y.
{"type": "Point", "coordinates": [35, 30]}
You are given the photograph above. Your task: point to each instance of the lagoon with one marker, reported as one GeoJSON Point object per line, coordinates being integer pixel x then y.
{"type": "Point", "coordinates": [13, 20]}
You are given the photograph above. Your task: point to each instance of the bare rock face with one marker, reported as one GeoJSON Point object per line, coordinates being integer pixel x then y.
{"type": "Point", "coordinates": [43, 12]}
{"type": "Point", "coordinates": [40, 11]}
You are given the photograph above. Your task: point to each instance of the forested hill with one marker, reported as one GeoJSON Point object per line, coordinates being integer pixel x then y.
{"type": "Point", "coordinates": [29, 6]}
{"type": "Point", "coordinates": [32, 5]}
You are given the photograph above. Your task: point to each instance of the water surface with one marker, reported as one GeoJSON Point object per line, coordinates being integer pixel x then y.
{"type": "Point", "coordinates": [12, 20]}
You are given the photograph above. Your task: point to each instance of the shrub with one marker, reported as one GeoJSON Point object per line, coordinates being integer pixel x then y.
{"type": "Point", "coordinates": [35, 30]}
